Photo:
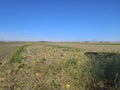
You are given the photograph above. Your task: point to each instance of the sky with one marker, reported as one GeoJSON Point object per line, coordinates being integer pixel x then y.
{"type": "Point", "coordinates": [60, 20]}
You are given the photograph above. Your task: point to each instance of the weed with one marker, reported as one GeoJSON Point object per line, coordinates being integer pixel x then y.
{"type": "Point", "coordinates": [24, 66]}
{"type": "Point", "coordinates": [72, 61]}
{"type": "Point", "coordinates": [43, 60]}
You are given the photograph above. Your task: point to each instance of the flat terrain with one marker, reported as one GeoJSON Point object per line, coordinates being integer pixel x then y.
{"type": "Point", "coordinates": [61, 66]}
{"type": "Point", "coordinates": [7, 49]}
{"type": "Point", "coordinates": [98, 47]}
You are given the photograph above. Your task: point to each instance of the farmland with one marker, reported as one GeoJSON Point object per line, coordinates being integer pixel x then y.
{"type": "Point", "coordinates": [7, 49]}
{"type": "Point", "coordinates": [61, 66]}
{"type": "Point", "coordinates": [98, 47]}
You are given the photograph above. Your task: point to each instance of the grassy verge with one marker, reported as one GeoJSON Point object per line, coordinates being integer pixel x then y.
{"type": "Point", "coordinates": [16, 57]}
{"type": "Point", "coordinates": [64, 48]}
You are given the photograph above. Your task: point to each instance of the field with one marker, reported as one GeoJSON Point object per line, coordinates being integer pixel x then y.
{"type": "Point", "coordinates": [98, 47]}
{"type": "Point", "coordinates": [7, 49]}
{"type": "Point", "coordinates": [60, 66]}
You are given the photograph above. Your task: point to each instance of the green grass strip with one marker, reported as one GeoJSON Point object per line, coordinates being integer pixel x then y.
{"type": "Point", "coordinates": [16, 58]}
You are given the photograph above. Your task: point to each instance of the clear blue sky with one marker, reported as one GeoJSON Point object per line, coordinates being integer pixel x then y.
{"type": "Point", "coordinates": [60, 20]}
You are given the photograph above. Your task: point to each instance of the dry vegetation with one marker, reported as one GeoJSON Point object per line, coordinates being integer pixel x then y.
{"type": "Point", "coordinates": [98, 47]}
{"type": "Point", "coordinates": [55, 66]}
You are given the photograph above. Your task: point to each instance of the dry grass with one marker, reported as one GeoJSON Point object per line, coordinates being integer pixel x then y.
{"type": "Point", "coordinates": [51, 67]}
{"type": "Point", "coordinates": [99, 47]}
